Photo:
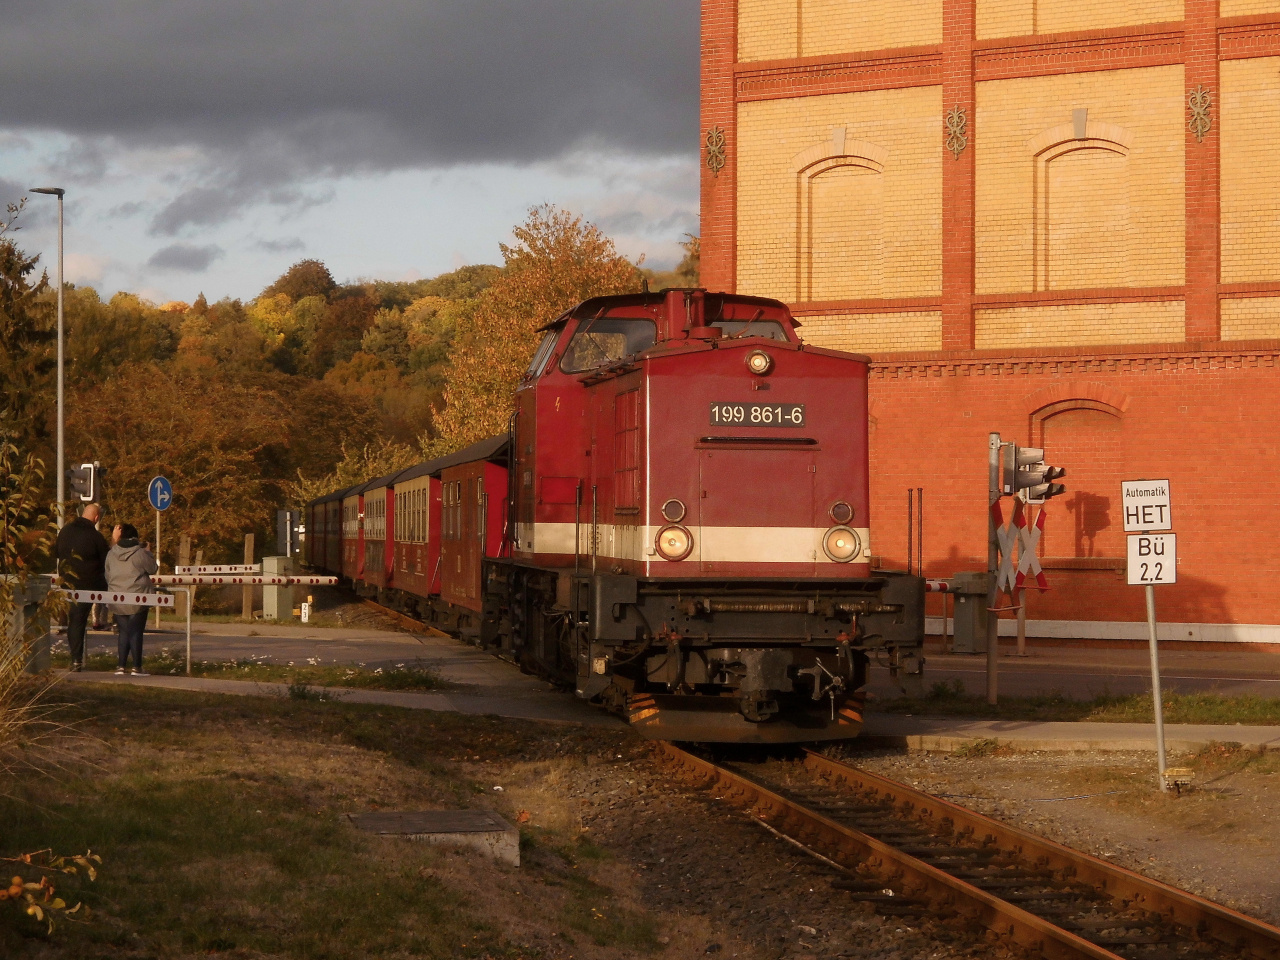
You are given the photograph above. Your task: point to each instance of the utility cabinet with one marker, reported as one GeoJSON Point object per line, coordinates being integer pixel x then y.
{"type": "Point", "coordinates": [970, 591]}
{"type": "Point", "coordinates": [277, 602]}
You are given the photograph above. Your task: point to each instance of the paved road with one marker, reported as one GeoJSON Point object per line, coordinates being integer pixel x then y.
{"type": "Point", "coordinates": [1085, 672]}
{"type": "Point", "coordinates": [487, 685]}
{"type": "Point", "coordinates": [1071, 671]}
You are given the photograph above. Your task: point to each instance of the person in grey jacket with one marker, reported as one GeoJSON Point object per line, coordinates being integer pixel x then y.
{"type": "Point", "coordinates": [129, 567]}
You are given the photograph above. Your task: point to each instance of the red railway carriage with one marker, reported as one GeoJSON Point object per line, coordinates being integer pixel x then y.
{"type": "Point", "coordinates": [378, 516]}
{"type": "Point", "coordinates": [353, 533]}
{"type": "Point", "coordinates": [416, 553]}
{"type": "Point", "coordinates": [473, 518]}
{"type": "Point", "coordinates": [324, 545]}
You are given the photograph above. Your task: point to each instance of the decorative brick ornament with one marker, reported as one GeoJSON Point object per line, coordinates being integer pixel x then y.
{"type": "Point", "coordinates": [957, 128]}
{"type": "Point", "coordinates": [715, 150]}
{"type": "Point", "coordinates": [1200, 100]}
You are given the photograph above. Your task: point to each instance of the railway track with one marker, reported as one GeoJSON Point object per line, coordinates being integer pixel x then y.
{"type": "Point", "coordinates": [913, 854]}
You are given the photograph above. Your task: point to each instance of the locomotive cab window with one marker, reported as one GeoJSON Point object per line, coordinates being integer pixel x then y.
{"type": "Point", "coordinates": [542, 353]}
{"type": "Point", "coordinates": [605, 340]}
{"type": "Point", "coordinates": [769, 329]}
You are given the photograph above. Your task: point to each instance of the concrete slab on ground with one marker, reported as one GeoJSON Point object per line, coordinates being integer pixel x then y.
{"type": "Point", "coordinates": [946, 734]}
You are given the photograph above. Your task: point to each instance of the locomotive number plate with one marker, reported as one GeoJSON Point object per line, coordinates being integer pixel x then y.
{"type": "Point", "coordinates": [757, 414]}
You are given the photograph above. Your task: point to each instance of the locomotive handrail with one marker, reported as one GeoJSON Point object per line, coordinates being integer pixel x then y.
{"type": "Point", "coordinates": [771, 441]}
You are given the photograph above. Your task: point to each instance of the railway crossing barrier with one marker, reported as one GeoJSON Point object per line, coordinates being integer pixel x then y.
{"type": "Point", "coordinates": [189, 577]}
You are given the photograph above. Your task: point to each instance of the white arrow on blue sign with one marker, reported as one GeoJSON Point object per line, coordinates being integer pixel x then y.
{"type": "Point", "coordinates": [160, 493]}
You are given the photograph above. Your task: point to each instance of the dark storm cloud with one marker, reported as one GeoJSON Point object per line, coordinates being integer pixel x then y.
{"type": "Point", "coordinates": [289, 245]}
{"type": "Point", "coordinates": [274, 90]}
{"type": "Point", "coordinates": [185, 257]}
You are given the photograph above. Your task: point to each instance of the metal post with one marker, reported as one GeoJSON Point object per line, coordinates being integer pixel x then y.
{"type": "Point", "coordinates": [911, 528]}
{"type": "Point", "coordinates": [595, 526]}
{"type": "Point", "coordinates": [920, 529]}
{"type": "Point", "coordinates": [993, 563]}
{"type": "Point", "coordinates": [1021, 601]}
{"type": "Point", "coordinates": [1155, 682]}
{"type": "Point", "coordinates": [62, 454]}
{"type": "Point", "coordinates": [158, 561]}
{"type": "Point", "coordinates": [189, 599]}
{"type": "Point", "coordinates": [945, 598]}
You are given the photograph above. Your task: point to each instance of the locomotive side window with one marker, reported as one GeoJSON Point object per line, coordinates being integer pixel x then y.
{"type": "Point", "coordinates": [542, 353]}
{"type": "Point", "coordinates": [604, 340]}
{"type": "Point", "coordinates": [769, 329]}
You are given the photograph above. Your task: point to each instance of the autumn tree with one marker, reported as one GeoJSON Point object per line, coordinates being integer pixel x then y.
{"type": "Point", "coordinates": [102, 337]}
{"type": "Point", "coordinates": [559, 261]}
{"type": "Point", "coordinates": [306, 278]}
{"type": "Point", "coordinates": [27, 334]}
{"type": "Point", "coordinates": [211, 436]}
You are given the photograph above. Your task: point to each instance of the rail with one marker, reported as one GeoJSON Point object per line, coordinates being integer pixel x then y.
{"type": "Point", "coordinates": [948, 859]}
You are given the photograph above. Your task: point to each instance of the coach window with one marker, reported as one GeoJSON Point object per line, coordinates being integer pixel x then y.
{"type": "Point", "coordinates": [604, 340]}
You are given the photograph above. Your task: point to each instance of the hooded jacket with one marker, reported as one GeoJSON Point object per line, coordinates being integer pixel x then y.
{"type": "Point", "coordinates": [129, 568]}
{"type": "Point", "coordinates": [81, 553]}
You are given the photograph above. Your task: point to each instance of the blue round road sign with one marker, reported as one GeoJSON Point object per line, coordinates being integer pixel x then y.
{"type": "Point", "coordinates": [160, 493]}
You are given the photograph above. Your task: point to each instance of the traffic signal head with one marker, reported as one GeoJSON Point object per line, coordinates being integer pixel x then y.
{"type": "Point", "coordinates": [86, 481]}
{"type": "Point", "coordinates": [1025, 474]}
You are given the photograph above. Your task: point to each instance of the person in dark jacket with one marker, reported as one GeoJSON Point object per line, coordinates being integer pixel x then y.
{"type": "Point", "coordinates": [129, 569]}
{"type": "Point", "coordinates": [82, 553]}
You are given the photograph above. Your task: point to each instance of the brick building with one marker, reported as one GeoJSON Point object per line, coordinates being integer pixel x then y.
{"type": "Point", "coordinates": [1058, 219]}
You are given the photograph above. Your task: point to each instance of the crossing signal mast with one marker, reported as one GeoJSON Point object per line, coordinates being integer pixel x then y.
{"type": "Point", "coordinates": [86, 481]}
{"type": "Point", "coordinates": [1021, 473]}
{"type": "Point", "coordinates": [1024, 474]}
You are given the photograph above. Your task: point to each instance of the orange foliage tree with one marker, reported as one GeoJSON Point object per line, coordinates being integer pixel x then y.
{"type": "Point", "coordinates": [560, 260]}
{"type": "Point", "coordinates": [212, 438]}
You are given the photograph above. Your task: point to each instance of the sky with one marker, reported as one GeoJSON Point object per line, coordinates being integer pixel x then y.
{"type": "Point", "coordinates": [206, 146]}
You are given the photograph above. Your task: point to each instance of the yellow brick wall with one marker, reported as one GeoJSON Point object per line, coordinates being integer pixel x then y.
{"type": "Point", "coordinates": [768, 29]}
{"type": "Point", "coordinates": [839, 26]}
{"type": "Point", "coordinates": [1242, 8]}
{"type": "Point", "coordinates": [1100, 220]}
{"type": "Point", "coordinates": [892, 220]}
{"type": "Point", "coordinates": [1251, 318]}
{"type": "Point", "coordinates": [1018, 18]}
{"type": "Point", "coordinates": [778, 29]}
{"type": "Point", "coordinates": [875, 332]}
{"type": "Point", "coordinates": [1070, 324]}
{"type": "Point", "coordinates": [1250, 93]}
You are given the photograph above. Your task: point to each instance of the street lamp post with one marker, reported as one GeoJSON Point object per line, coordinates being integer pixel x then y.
{"type": "Point", "coordinates": [62, 464]}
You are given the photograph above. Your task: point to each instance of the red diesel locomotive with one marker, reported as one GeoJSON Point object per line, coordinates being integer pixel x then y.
{"type": "Point", "coordinates": [677, 524]}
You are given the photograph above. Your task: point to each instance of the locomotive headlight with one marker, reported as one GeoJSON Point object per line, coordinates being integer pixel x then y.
{"type": "Point", "coordinates": [759, 363]}
{"type": "Point", "coordinates": [841, 512]}
{"type": "Point", "coordinates": [674, 542]}
{"type": "Point", "coordinates": [841, 544]}
{"type": "Point", "coordinates": [673, 510]}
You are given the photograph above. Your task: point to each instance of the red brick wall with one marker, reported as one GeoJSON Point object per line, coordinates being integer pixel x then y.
{"type": "Point", "coordinates": [719, 109]}
{"type": "Point", "coordinates": [1202, 418]}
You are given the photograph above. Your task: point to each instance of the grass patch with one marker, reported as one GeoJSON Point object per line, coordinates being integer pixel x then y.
{"type": "Point", "coordinates": [221, 824]}
{"type": "Point", "coordinates": [949, 700]}
{"type": "Point", "coordinates": [403, 676]}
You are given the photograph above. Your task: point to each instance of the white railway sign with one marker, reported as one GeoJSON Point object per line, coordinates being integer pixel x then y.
{"type": "Point", "coordinates": [1146, 506]}
{"type": "Point", "coordinates": [1153, 559]}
